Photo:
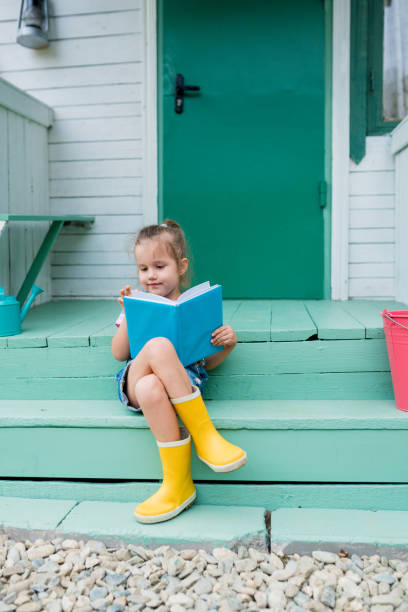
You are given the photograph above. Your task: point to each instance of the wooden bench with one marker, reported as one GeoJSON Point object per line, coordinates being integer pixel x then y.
{"type": "Point", "coordinates": [57, 222]}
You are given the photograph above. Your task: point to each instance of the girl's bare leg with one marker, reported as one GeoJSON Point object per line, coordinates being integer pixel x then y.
{"type": "Point", "coordinates": [155, 375]}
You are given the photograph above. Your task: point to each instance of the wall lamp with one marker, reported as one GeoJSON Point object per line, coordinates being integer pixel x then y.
{"type": "Point", "coordinates": [32, 30]}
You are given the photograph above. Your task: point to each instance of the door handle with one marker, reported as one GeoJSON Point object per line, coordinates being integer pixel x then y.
{"type": "Point", "coordinates": [179, 92]}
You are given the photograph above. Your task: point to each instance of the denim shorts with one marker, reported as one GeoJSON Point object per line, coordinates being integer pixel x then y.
{"type": "Point", "coordinates": [196, 372]}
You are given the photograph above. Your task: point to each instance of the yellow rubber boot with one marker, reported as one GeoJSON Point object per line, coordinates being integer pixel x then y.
{"type": "Point", "coordinates": [177, 490]}
{"type": "Point", "coordinates": [211, 447]}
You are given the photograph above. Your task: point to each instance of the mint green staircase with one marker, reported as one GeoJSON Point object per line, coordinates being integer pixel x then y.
{"type": "Point", "coordinates": [307, 392]}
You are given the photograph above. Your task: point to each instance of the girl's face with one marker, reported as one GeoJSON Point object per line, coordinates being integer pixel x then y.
{"type": "Point", "coordinates": [158, 272]}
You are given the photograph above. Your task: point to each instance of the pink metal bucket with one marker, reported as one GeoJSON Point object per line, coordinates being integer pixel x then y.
{"type": "Point", "coordinates": [396, 336]}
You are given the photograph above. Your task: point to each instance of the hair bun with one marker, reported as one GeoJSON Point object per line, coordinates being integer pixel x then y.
{"type": "Point", "coordinates": [171, 223]}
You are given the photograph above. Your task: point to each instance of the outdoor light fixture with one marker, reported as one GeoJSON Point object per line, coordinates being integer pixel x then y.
{"type": "Point", "coordinates": [32, 30]}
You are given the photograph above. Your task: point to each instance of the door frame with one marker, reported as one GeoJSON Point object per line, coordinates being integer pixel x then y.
{"type": "Point", "coordinates": [336, 126]}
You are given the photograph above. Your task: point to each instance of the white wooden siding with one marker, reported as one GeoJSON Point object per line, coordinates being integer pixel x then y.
{"type": "Point", "coordinates": [372, 222]}
{"type": "Point", "coordinates": [93, 75]}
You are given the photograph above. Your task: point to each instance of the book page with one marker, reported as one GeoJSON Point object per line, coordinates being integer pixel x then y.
{"type": "Point", "coordinates": [197, 290]}
{"type": "Point", "coordinates": [150, 297]}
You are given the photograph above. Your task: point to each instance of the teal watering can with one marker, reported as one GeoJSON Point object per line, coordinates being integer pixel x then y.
{"type": "Point", "coordinates": [10, 315]}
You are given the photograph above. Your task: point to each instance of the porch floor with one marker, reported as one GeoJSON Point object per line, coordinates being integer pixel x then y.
{"type": "Point", "coordinates": [78, 323]}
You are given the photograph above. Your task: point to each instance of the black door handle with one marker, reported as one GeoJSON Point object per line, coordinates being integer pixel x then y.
{"type": "Point", "coordinates": [179, 91]}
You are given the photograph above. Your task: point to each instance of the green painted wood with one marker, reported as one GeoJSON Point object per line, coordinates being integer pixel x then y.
{"type": "Point", "coordinates": [20, 102]}
{"type": "Point", "coordinates": [291, 321]}
{"type": "Point", "coordinates": [252, 320]}
{"type": "Point", "coordinates": [88, 323]}
{"type": "Point", "coordinates": [110, 442]}
{"type": "Point", "coordinates": [48, 319]}
{"type": "Point", "coordinates": [229, 308]}
{"type": "Point", "coordinates": [129, 454]}
{"type": "Point", "coordinates": [269, 495]}
{"type": "Point", "coordinates": [202, 526]}
{"type": "Point", "coordinates": [42, 254]}
{"type": "Point", "coordinates": [369, 314]}
{"type": "Point", "coordinates": [358, 79]}
{"type": "Point", "coordinates": [288, 95]}
{"type": "Point", "coordinates": [226, 414]}
{"type": "Point", "coordinates": [257, 358]}
{"type": "Point", "coordinates": [341, 526]}
{"type": "Point", "coordinates": [33, 513]}
{"type": "Point", "coordinates": [353, 385]}
{"type": "Point", "coordinates": [333, 322]}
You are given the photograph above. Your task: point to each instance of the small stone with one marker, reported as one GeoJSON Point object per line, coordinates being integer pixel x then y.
{"type": "Point", "coordinates": [242, 552]}
{"type": "Point", "coordinates": [115, 608]}
{"type": "Point", "coordinates": [31, 606]}
{"type": "Point", "coordinates": [291, 590]}
{"type": "Point", "coordinates": [114, 579]}
{"type": "Point", "coordinates": [245, 565]}
{"type": "Point", "coordinates": [180, 599]}
{"type": "Point", "coordinates": [175, 565]}
{"type": "Point", "coordinates": [13, 556]}
{"type": "Point", "coordinates": [188, 554]}
{"type": "Point", "coordinates": [6, 607]}
{"type": "Point", "coordinates": [98, 593]}
{"type": "Point", "coordinates": [14, 569]}
{"type": "Point", "coordinates": [287, 572]}
{"type": "Point", "coordinates": [226, 565]}
{"type": "Point", "coordinates": [276, 598]}
{"type": "Point", "coordinates": [55, 606]}
{"type": "Point", "coordinates": [383, 588]}
{"type": "Point", "coordinates": [203, 586]}
{"type": "Point", "coordinates": [275, 561]}
{"type": "Point", "coordinates": [306, 566]}
{"type": "Point", "coordinates": [328, 596]}
{"type": "Point", "coordinates": [384, 578]}
{"type": "Point", "coordinates": [380, 608]}
{"type": "Point", "coordinates": [38, 552]}
{"type": "Point", "coordinates": [324, 556]}
{"type": "Point", "coordinates": [223, 553]}
{"type": "Point", "coordinates": [69, 544]}
{"type": "Point", "coordinates": [393, 598]}
{"type": "Point", "coordinates": [261, 599]}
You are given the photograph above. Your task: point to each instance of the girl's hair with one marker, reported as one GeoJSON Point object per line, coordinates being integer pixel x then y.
{"type": "Point", "coordinates": [172, 236]}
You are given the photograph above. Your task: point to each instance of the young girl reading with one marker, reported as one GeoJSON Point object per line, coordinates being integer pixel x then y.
{"type": "Point", "coordinates": [156, 383]}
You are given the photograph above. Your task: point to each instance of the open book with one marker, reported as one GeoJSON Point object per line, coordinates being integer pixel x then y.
{"type": "Point", "coordinates": [187, 322]}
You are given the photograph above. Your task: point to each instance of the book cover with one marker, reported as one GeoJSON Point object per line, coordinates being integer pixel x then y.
{"type": "Point", "coordinates": [188, 322]}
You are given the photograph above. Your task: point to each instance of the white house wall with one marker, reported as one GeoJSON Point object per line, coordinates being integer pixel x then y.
{"type": "Point", "coordinates": [92, 74]}
{"type": "Point", "coordinates": [372, 225]}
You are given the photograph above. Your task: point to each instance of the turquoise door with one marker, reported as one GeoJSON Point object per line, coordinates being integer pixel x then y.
{"type": "Point", "coordinates": [240, 167]}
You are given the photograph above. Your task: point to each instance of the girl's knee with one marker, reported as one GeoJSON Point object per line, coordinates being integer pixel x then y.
{"type": "Point", "coordinates": [159, 346]}
{"type": "Point", "coordinates": [149, 386]}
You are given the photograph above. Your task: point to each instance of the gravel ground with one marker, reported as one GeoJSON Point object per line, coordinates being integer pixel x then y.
{"type": "Point", "coordinates": [63, 575]}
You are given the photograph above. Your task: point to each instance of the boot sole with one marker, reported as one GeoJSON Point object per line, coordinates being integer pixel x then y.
{"type": "Point", "coordinates": [158, 518]}
{"type": "Point", "coordinates": [228, 467]}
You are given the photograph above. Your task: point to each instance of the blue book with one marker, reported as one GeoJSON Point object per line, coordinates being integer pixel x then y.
{"type": "Point", "coordinates": [188, 322]}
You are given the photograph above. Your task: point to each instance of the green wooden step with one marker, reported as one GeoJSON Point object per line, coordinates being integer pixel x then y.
{"type": "Point", "coordinates": [338, 369]}
{"type": "Point", "coordinates": [331, 441]}
{"type": "Point", "coordinates": [303, 529]}
{"type": "Point", "coordinates": [201, 526]}
{"type": "Point", "coordinates": [268, 495]}
{"type": "Point", "coordinates": [70, 322]}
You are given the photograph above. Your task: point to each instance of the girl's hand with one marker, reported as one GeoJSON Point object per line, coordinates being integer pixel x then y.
{"type": "Point", "coordinates": [125, 291]}
{"type": "Point", "coordinates": [224, 336]}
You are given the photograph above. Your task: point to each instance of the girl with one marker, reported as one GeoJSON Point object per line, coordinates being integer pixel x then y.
{"type": "Point", "coordinates": [156, 382]}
